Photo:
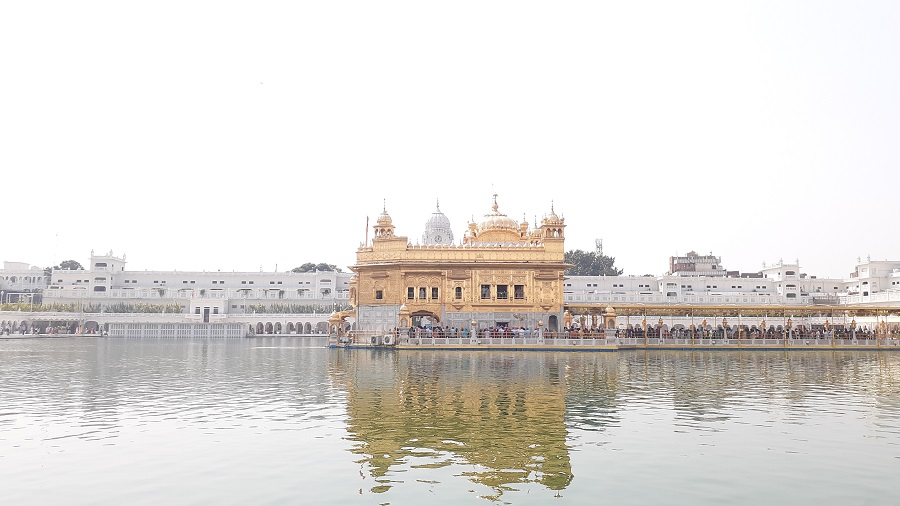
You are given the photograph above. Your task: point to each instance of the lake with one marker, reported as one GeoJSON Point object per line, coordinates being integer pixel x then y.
{"type": "Point", "coordinates": [267, 421]}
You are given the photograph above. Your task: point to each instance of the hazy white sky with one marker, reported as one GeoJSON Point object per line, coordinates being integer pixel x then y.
{"type": "Point", "coordinates": [246, 135]}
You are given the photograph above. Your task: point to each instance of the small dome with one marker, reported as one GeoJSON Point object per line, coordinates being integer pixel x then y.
{"type": "Point", "coordinates": [438, 220]}
{"type": "Point", "coordinates": [384, 219]}
{"type": "Point", "coordinates": [437, 229]}
{"type": "Point", "coordinates": [552, 218]}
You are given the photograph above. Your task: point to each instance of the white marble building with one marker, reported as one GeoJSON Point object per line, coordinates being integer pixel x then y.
{"type": "Point", "coordinates": [19, 281]}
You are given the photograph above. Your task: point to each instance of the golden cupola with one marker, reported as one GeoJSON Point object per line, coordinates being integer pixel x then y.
{"type": "Point", "coordinates": [384, 226]}
{"type": "Point", "coordinates": [496, 228]}
{"type": "Point", "coordinates": [552, 226]}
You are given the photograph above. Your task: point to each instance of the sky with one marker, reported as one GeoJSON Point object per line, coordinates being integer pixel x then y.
{"type": "Point", "coordinates": [247, 136]}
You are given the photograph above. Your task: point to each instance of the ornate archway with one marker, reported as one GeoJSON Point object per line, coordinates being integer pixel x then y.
{"type": "Point", "coordinates": [424, 318]}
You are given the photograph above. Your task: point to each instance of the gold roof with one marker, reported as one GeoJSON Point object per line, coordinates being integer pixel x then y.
{"type": "Point", "coordinates": [497, 227]}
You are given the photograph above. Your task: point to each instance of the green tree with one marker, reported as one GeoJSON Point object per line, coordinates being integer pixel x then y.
{"type": "Point", "coordinates": [310, 267]}
{"type": "Point", "coordinates": [591, 263]}
{"type": "Point", "coordinates": [65, 265]}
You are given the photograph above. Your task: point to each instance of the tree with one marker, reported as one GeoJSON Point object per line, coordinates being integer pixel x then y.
{"type": "Point", "coordinates": [65, 265]}
{"type": "Point", "coordinates": [593, 263]}
{"type": "Point", "coordinates": [70, 265]}
{"type": "Point", "coordinates": [310, 267]}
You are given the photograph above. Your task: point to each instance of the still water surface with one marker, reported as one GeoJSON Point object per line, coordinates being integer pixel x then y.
{"type": "Point", "coordinates": [267, 421]}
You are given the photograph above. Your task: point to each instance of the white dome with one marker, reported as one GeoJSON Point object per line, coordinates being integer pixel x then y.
{"type": "Point", "coordinates": [437, 228]}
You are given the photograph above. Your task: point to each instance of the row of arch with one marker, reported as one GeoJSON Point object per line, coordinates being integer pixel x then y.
{"type": "Point", "coordinates": [27, 279]}
{"type": "Point", "coordinates": [289, 328]}
{"type": "Point", "coordinates": [48, 326]}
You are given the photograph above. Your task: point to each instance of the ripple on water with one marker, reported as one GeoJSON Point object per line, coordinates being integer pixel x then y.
{"type": "Point", "coordinates": [226, 421]}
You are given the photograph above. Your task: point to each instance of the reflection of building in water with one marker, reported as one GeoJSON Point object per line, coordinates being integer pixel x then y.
{"type": "Point", "coordinates": [503, 273]}
{"type": "Point", "coordinates": [501, 417]}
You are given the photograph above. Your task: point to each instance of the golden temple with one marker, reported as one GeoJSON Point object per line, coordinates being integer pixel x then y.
{"type": "Point", "coordinates": [502, 274]}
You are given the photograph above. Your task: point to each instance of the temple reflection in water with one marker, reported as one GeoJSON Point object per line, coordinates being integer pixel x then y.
{"type": "Point", "coordinates": [504, 420]}
{"type": "Point", "coordinates": [501, 417]}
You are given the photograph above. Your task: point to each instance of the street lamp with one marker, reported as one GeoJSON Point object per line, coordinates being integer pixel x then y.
{"type": "Point", "coordinates": [644, 329]}
{"type": "Point", "coordinates": [474, 329]}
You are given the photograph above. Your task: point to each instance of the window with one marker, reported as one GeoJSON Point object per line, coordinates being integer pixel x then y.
{"type": "Point", "coordinates": [215, 310]}
{"type": "Point", "coordinates": [519, 292]}
{"type": "Point", "coordinates": [215, 282]}
{"type": "Point", "coordinates": [100, 264]}
{"type": "Point", "coordinates": [422, 293]}
{"type": "Point", "coordinates": [458, 293]}
{"type": "Point", "coordinates": [271, 282]}
{"type": "Point", "coordinates": [185, 281]}
{"type": "Point", "coordinates": [242, 282]}
{"type": "Point", "coordinates": [379, 294]}
{"type": "Point", "coordinates": [193, 282]}
{"type": "Point", "coordinates": [197, 310]}
{"type": "Point", "coordinates": [485, 291]}
{"type": "Point", "coordinates": [250, 282]}
{"type": "Point", "coordinates": [434, 293]}
{"type": "Point", "coordinates": [410, 293]}
{"type": "Point", "coordinates": [502, 292]}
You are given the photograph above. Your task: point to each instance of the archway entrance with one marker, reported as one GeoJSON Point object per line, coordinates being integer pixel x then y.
{"type": "Point", "coordinates": [425, 319]}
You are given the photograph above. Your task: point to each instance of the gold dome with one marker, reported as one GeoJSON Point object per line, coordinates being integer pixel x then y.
{"type": "Point", "coordinates": [384, 219]}
{"type": "Point", "coordinates": [552, 219]}
{"type": "Point", "coordinates": [498, 227]}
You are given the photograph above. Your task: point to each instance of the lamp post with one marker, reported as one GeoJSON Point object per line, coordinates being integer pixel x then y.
{"type": "Point", "coordinates": [474, 329]}
{"type": "Point", "coordinates": [541, 330]}
{"type": "Point", "coordinates": [659, 329]}
{"type": "Point", "coordinates": [644, 329]}
{"type": "Point", "coordinates": [725, 328]}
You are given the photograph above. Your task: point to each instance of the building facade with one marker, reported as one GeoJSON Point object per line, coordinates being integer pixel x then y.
{"type": "Point", "coordinates": [502, 274]}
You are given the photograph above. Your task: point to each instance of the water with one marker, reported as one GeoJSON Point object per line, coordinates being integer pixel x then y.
{"type": "Point", "coordinates": [265, 421]}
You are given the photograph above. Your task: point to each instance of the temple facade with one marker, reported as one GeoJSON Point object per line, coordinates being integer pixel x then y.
{"type": "Point", "coordinates": [502, 274]}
